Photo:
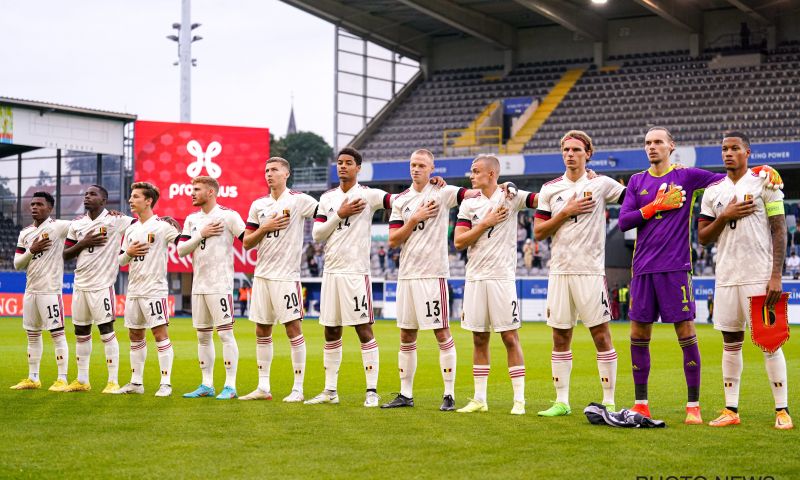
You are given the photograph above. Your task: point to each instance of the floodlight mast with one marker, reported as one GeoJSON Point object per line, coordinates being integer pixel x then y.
{"type": "Point", "coordinates": [185, 60]}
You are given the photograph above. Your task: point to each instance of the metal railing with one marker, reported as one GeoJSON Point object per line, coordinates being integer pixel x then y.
{"type": "Point", "coordinates": [468, 141]}
{"type": "Point", "coordinates": [310, 178]}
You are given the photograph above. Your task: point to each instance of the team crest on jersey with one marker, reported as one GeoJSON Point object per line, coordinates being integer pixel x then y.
{"type": "Point", "coordinates": [151, 238]}
{"type": "Point", "coordinates": [103, 231]}
{"type": "Point", "coordinates": [587, 194]}
{"type": "Point", "coordinates": [44, 235]}
{"type": "Point", "coordinates": [748, 197]}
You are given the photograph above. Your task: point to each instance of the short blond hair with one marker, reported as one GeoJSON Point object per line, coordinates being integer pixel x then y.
{"type": "Point", "coordinates": [582, 137]}
{"type": "Point", "coordinates": [281, 161]}
{"type": "Point", "coordinates": [423, 152]}
{"type": "Point", "coordinates": [490, 160]}
{"type": "Point", "coordinates": [208, 181]}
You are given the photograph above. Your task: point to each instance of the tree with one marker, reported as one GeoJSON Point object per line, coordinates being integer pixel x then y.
{"type": "Point", "coordinates": [44, 179]}
{"type": "Point", "coordinates": [302, 149]}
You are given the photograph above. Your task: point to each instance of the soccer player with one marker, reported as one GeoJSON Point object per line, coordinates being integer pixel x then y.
{"type": "Point", "coordinates": [208, 235]}
{"type": "Point", "coordinates": [419, 223]}
{"type": "Point", "coordinates": [145, 249]}
{"type": "Point", "coordinates": [662, 268]}
{"type": "Point", "coordinates": [39, 251]}
{"type": "Point", "coordinates": [94, 239]}
{"type": "Point", "coordinates": [748, 224]}
{"type": "Point", "coordinates": [343, 221]}
{"type": "Point", "coordinates": [490, 294]}
{"type": "Point", "coordinates": [572, 210]}
{"type": "Point", "coordinates": [275, 226]}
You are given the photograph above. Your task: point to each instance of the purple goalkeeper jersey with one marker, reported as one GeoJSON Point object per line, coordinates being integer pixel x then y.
{"type": "Point", "coordinates": [663, 242]}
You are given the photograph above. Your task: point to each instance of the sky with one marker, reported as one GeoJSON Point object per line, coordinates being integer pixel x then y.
{"type": "Point", "coordinates": [113, 55]}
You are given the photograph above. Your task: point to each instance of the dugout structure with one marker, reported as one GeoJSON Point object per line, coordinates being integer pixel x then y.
{"type": "Point", "coordinates": [60, 149]}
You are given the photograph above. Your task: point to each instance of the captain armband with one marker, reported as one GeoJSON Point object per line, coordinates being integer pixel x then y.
{"type": "Point", "coordinates": [775, 208]}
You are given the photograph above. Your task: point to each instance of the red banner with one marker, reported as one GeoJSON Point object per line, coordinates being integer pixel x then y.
{"type": "Point", "coordinates": [169, 155]}
{"type": "Point", "coordinates": [769, 328]}
{"type": "Point", "coordinates": [11, 304]}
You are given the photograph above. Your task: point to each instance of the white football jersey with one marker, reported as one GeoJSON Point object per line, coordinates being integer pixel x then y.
{"type": "Point", "coordinates": [212, 260]}
{"type": "Point", "coordinates": [279, 252]}
{"type": "Point", "coordinates": [494, 255]}
{"type": "Point", "coordinates": [45, 270]}
{"type": "Point", "coordinates": [147, 274]}
{"type": "Point", "coordinates": [347, 249]}
{"type": "Point", "coordinates": [579, 244]}
{"type": "Point", "coordinates": [97, 267]}
{"type": "Point", "coordinates": [744, 248]}
{"type": "Point", "coordinates": [424, 253]}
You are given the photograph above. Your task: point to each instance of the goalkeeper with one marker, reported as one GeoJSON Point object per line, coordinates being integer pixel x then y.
{"type": "Point", "coordinates": [661, 286]}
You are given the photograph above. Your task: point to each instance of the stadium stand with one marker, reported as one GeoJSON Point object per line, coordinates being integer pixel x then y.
{"type": "Point", "coordinates": [9, 232]}
{"type": "Point", "coordinates": [614, 104]}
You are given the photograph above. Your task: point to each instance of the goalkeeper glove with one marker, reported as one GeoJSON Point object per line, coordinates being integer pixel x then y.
{"type": "Point", "coordinates": [772, 179]}
{"type": "Point", "coordinates": [671, 199]}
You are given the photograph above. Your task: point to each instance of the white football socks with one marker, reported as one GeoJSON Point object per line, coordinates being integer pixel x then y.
{"type": "Point", "coordinates": [62, 353]}
{"type": "Point", "coordinates": [732, 365]}
{"type": "Point", "coordinates": [83, 353]}
{"type": "Point", "coordinates": [447, 362]}
{"type": "Point", "coordinates": [264, 355]}
{"type": "Point", "coordinates": [206, 355]}
{"type": "Point", "coordinates": [298, 346]}
{"type": "Point", "coordinates": [480, 375]}
{"type": "Point", "coordinates": [166, 355]}
{"type": "Point", "coordinates": [138, 358]}
{"type": "Point", "coordinates": [776, 371]}
{"type": "Point", "coordinates": [111, 349]}
{"type": "Point", "coordinates": [517, 374]}
{"type": "Point", "coordinates": [230, 354]}
{"type": "Point", "coordinates": [561, 365]}
{"type": "Point", "coordinates": [370, 358]}
{"type": "Point", "coordinates": [607, 368]}
{"type": "Point", "coordinates": [332, 360]}
{"type": "Point", "coordinates": [34, 354]}
{"type": "Point", "coordinates": [407, 362]}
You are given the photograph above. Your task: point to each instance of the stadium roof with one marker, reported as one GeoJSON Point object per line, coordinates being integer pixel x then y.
{"type": "Point", "coordinates": [8, 149]}
{"type": "Point", "coordinates": [58, 108]}
{"type": "Point", "coordinates": [408, 26]}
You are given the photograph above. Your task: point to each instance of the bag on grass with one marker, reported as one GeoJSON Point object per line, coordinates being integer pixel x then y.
{"type": "Point", "coordinates": [597, 414]}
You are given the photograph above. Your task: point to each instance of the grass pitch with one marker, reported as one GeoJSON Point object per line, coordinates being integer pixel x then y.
{"type": "Point", "coordinates": [90, 435]}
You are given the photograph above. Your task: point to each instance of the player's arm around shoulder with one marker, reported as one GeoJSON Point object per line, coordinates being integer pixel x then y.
{"type": "Point", "coordinates": [252, 237]}
{"type": "Point", "coordinates": [170, 229]}
{"type": "Point", "coordinates": [629, 215]}
{"type": "Point", "coordinates": [524, 200]}
{"type": "Point", "coordinates": [188, 241]}
{"type": "Point", "coordinates": [709, 224]}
